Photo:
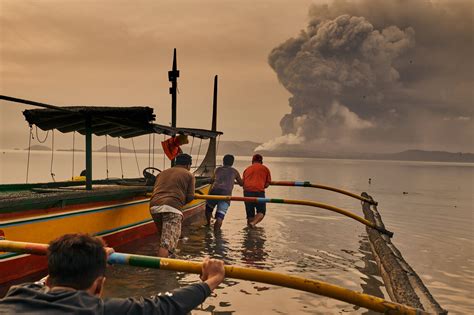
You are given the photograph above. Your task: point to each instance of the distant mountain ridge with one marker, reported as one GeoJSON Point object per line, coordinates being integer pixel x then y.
{"type": "Point", "coordinates": [420, 155]}
{"type": "Point", "coordinates": [246, 148]}
{"type": "Point", "coordinates": [407, 155]}
{"type": "Point", "coordinates": [38, 147]}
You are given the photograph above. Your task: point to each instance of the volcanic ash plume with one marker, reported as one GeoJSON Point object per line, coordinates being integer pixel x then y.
{"type": "Point", "coordinates": [361, 78]}
{"type": "Point", "coordinates": [337, 70]}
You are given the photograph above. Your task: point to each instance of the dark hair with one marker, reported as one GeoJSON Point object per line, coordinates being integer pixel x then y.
{"type": "Point", "coordinates": [228, 159]}
{"type": "Point", "coordinates": [76, 260]}
{"type": "Point", "coordinates": [184, 159]}
{"type": "Point", "coordinates": [257, 158]}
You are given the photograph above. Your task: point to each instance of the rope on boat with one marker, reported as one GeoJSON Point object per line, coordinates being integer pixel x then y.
{"type": "Point", "coordinates": [73, 147]}
{"type": "Point", "coordinates": [191, 150]}
{"type": "Point", "coordinates": [106, 158]}
{"type": "Point", "coordinates": [45, 138]}
{"type": "Point", "coordinates": [217, 146]}
{"type": "Point", "coordinates": [269, 277]}
{"type": "Point", "coordinates": [136, 159]}
{"type": "Point", "coordinates": [298, 202]}
{"type": "Point", "coordinates": [309, 184]}
{"type": "Point", "coordinates": [149, 150]}
{"type": "Point", "coordinates": [120, 154]}
{"type": "Point", "coordinates": [199, 151]}
{"type": "Point", "coordinates": [30, 136]}
{"type": "Point", "coordinates": [52, 156]}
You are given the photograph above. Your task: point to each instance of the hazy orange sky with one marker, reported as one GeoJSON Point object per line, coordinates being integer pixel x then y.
{"type": "Point", "coordinates": [118, 53]}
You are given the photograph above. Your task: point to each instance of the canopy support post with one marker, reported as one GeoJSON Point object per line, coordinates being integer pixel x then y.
{"type": "Point", "coordinates": [88, 153]}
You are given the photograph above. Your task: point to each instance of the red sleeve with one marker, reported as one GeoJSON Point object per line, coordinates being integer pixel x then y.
{"type": "Point", "coordinates": [269, 178]}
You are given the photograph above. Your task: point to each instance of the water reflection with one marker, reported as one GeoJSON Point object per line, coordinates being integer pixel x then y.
{"type": "Point", "coordinates": [253, 247]}
{"type": "Point", "coordinates": [217, 245]}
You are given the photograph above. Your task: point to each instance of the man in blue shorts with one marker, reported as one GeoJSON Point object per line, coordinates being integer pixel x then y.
{"type": "Point", "coordinates": [223, 184]}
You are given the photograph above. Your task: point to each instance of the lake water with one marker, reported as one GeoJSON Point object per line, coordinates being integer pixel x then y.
{"type": "Point", "coordinates": [429, 207]}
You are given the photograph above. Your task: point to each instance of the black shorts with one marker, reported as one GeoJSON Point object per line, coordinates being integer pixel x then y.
{"type": "Point", "coordinates": [250, 207]}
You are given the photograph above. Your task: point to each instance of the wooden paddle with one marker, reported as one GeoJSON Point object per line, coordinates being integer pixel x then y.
{"type": "Point", "coordinates": [290, 281]}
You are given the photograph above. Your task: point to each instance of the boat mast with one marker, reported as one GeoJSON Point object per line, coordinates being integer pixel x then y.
{"type": "Point", "coordinates": [173, 76]}
{"type": "Point", "coordinates": [214, 106]}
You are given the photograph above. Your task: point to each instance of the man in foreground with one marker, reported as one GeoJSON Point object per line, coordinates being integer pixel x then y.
{"type": "Point", "coordinates": [223, 184]}
{"type": "Point", "coordinates": [76, 265]}
{"type": "Point", "coordinates": [257, 177]}
{"type": "Point", "coordinates": [173, 189]}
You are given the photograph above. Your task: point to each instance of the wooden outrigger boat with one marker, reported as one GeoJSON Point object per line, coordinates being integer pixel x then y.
{"type": "Point", "coordinates": [115, 209]}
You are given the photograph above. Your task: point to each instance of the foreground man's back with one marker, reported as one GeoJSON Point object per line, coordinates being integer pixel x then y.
{"type": "Point", "coordinates": [34, 298]}
{"type": "Point", "coordinates": [77, 264]}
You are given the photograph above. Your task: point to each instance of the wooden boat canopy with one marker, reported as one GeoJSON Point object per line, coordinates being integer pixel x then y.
{"type": "Point", "coordinates": [125, 122]}
{"type": "Point", "coordinates": [199, 133]}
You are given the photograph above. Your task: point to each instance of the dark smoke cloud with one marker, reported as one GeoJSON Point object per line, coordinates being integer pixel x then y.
{"type": "Point", "coordinates": [391, 74]}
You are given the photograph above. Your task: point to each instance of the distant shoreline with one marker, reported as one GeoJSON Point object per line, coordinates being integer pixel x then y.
{"type": "Point", "coordinates": [246, 148]}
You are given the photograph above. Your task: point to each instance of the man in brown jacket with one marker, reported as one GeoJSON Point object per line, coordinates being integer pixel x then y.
{"type": "Point", "coordinates": [173, 189]}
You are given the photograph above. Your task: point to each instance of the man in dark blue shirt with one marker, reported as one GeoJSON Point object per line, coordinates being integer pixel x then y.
{"type": "Point", "coordinates": [76, 265]}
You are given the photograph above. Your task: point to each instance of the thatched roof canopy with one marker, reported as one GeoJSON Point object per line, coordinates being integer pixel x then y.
{"type": "Point", "coordinates": [125, 122]}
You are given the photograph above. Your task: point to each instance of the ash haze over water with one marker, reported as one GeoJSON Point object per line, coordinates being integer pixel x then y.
{"type": "Point", "coordinates": [391, 74]}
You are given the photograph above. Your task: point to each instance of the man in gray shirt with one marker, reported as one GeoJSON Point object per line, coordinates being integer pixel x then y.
{"type": "Point", "coordinates": [223, 184]}
{"type": "Point", "coordinates": [76, 265]}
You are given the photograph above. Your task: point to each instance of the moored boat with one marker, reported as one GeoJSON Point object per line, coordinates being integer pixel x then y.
{"type": "Point", "coordinates": [115, 209]}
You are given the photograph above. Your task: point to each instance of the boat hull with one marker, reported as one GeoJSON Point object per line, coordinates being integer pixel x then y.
{"type": "Point", "coordinates": [117, 222]}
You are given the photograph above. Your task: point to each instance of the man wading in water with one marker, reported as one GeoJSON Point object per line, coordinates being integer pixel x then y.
{"type": "Point", "coordinates": [257, 177]}
{"type": "Point", "coordinates": [76, 265]}
{"type": "Point", "coordinates": [173, 189]}
{"type": "Point", "coordinates": [223, 184]}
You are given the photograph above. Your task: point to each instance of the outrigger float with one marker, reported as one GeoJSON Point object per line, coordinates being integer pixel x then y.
{"type": "Point", "coordinates": [403, 284]}
{"type": "Point", "coordinates": [117, 210]}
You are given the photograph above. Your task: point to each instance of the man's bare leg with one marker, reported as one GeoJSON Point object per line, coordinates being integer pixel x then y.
{"type": "Point", "coordinates": [163, 252]}
{"type": "Point", "coordinates": [208, 217]}
{"type": "Point", "coordinates": [258, 218]}
{"type": "Point", "coordinates": [217, 224]}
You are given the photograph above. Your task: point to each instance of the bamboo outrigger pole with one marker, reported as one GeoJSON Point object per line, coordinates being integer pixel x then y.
{"type": "Point", "coordinates": [298, 202]}
{"type": "Point", "coordinates": [309, 184]}
{"type": "Point", "coordinates": [313, 286]}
